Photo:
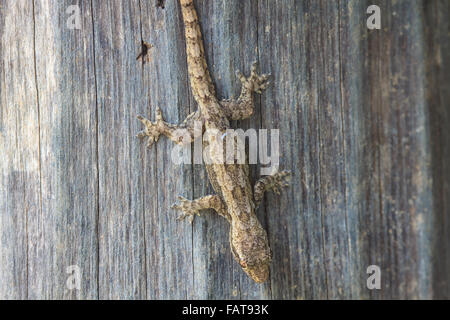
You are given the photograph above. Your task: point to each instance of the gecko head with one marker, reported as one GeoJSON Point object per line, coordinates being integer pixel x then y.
{"type": "Point", "coordinates": [255, 264]}
{"type": "Point", "coordinates": [258, 272]}
{"type": "Point", "coordinates": [250, 247]}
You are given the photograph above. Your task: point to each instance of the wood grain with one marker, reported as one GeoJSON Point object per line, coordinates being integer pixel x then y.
{"type": "Point", "coordinates": [19, 146]}
{"type": "Point", "coordinates": [363, 118]}
{"type": "Point", "coordinates": [65, 231]}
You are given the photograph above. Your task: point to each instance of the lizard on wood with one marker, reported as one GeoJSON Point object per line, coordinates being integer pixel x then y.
{"type": "Point", "coordinates": [235, 199]}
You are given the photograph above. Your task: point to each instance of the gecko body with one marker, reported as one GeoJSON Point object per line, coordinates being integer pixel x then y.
{"type": "Point", "coordinates": [235, 198]}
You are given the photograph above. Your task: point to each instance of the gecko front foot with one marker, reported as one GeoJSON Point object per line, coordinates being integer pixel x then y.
{"type": "Point", "coordinates": [188, 207]}
{"type": "Point", "coordinates": [254, 82]}
{"type": "Point", "coordinates": [152, 129]}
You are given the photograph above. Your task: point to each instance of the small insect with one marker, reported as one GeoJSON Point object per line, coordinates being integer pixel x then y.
{"type": "Point", "coordinates": [160, 3]}
{"type": "Point", "coordinates": [144, 52]}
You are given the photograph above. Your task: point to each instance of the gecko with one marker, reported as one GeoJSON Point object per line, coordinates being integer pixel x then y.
{"type": "Point", "coordinates": [234, 199]}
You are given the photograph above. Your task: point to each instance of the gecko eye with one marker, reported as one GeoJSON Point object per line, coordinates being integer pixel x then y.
{"type": "Point", "coordinates": [243, 264]}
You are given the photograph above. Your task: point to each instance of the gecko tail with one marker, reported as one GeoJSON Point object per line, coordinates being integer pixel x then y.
{"type": "Point", "coordinates": [201, 83]}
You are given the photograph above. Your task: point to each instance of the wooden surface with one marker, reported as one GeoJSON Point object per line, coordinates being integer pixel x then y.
{"type": "Point", "coordinates": [364, 119]}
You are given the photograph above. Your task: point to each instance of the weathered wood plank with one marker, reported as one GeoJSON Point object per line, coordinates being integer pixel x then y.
{"type": "Point", "coordinates": [360, 97]}
{"type": "Point", "coordinates": [359, 142]}
{"type": "Point", "coordinates": [332, 154]}
{"type": "Point", "coordinates": [290, 105]}
{"type": "Point", "coordinates": [437, 79]}
{"type": "Point", "coordinates": [437, 37]}
{"type": "Point", "coordinates": [120, 96]}
{"type": "Point", "coordinates": [169, 242]}
{"type": "Point", "coordinates": [405, 203]}
{"type": "Point", "coordinates": [19, 146]}
{"type": "Point", "coordinates": [64, 234]}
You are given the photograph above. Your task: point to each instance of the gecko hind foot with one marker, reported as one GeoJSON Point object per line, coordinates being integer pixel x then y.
{"type": "Point", "coordinates": [275, 183]}
{"type": "Point", "coordinates": [280, 181]}
{"type": "Point", "coordinates": [254, 82]}
{"type": "Point", "coordinates": [152, 129]}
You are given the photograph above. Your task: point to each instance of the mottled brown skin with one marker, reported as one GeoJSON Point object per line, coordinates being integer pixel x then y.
{"type": "Point", "coordinates": [235, 198]}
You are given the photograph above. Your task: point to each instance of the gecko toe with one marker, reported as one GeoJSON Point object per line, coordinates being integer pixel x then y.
{"type": "Point", "coordinates": [141, 135]}
{"type": "Point", "coordinates": [150, 142]}
{"type": "Point", "coordinates": [254, 67]}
